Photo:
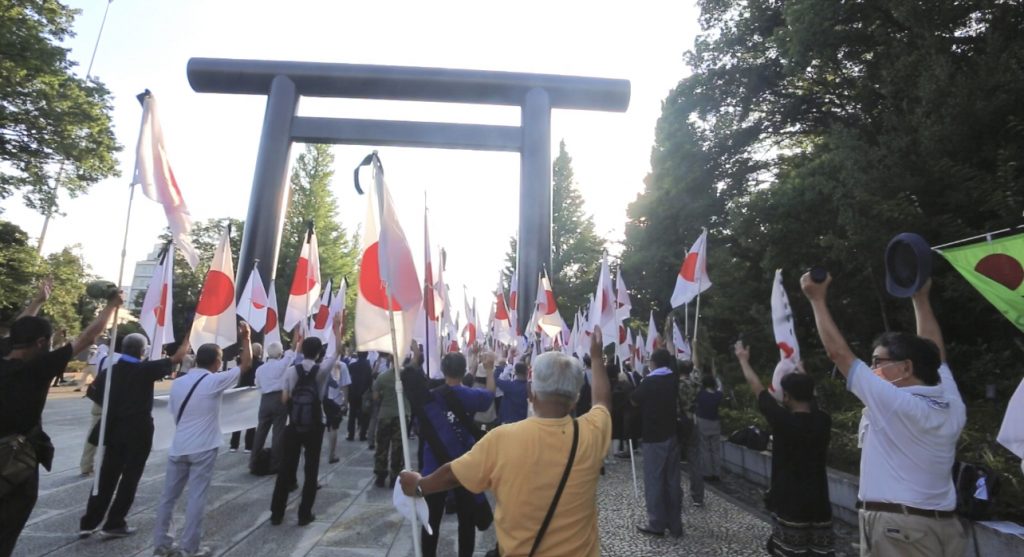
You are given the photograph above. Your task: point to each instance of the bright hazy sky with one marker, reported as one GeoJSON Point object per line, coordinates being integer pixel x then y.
{"type": "Point", "coordinates": [473, 196]}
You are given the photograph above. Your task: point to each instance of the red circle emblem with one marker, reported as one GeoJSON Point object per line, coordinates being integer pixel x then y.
{"type": "Point", "coordinates": [370, 284]}
{"type": "Point", "coordinates": [689, 269]}
{"type": "Point", "coordinates": [1003, 269]}
{"type": "Point", "coordinates": [217, 294]}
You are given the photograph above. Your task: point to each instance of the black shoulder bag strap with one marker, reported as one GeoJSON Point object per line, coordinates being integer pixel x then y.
{"type": "Point", "coordinates": [561, 488]}
{"type": "Point", "coordinates": [187, 398]}
{"type": "Point", "coordinates": [455, 405]}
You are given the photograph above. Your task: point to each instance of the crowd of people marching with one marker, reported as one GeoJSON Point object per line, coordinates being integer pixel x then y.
{"type": "Point", "coordinates": [534, 432]}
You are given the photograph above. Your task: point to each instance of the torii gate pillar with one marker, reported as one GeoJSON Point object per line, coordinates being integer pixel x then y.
{"type": "Point", "coordinates": [284, 82]}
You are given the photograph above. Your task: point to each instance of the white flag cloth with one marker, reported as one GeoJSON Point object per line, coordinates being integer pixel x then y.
{"type": "Point", "coordinates": [252, 305]}
{"type": "Point", "coordinates": [385, 253]}
{"type": "Point", "coordinates": [513, 302]}
{"type": "Point", "coordinates": [502, 325]}
{"type": "Point", "coordinates": [782, 369]}
{"type": "Point", "coordinates": [305, 289]}
{"type": "Point", "coordinates": [337, 306]}
{"type": "Point", "coordinates": [470, 332]}
{"type": "Point", "coordinates": [652, 335]}
{"type": "Point", "coordinates": [428, 317]}
{"type": "Point", "coordinates": [156, 306]}
{"type": "Point", "coordinates": [546, 316]}
{"type": "Point", "coordinates": [1011, 433]}
{"type": "Point", "coordinates": [683, 351]}
{"type": "Point", "coordinates": [321, 324]}
{"type": "Point", "coordinates": [409, 507]}
{"type": "Point", "coordinates": [153, 172]}
{"type": "Point", "coordinates": [215, 313]}
{"type": "Point", "coordinates": [782, 322]}
{"type": "Point", "coordinates": [693, 274]}
{"type": "Point", "coordinates": [623, 305]}
{"type": "Point", "coordinates": [624, 347]}
{"type": "Point", "coordinates": [602, 311]}
{"type": "Point", "coordinates": [639, 350]}
{"type": "Point", "coordinates": [271, 328]}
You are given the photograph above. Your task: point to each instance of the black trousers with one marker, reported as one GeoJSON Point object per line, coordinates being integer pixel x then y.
{"type": "Point", "coordinates": [357, 416]}
{"type": "Point", "coordinates": [464, 511]}
{"type": "Point", "coordinates": [123, 464]}
{"type": "Point", "coordinates": [15, 508]}
{"type": "Point", "coordinates": [308, 443]}
{"type": "Point", "coordinates": [237, 436]}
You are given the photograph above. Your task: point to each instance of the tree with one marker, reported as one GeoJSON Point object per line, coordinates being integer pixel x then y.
{"type": "Point", "coordinates": [49, 117]}
{"type": "Point", "coordinates": [576, 248]}
{"type": "Point", "coordinates": [311, 200]}
{"type": "Point", "coordinates": [811, 132]}
{"type": "Point", "coordinates": [19, 268]}
{"type": "Point", "coordinates": [69, 273]}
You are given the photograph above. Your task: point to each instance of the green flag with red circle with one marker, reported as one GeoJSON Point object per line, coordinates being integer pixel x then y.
{"type": "Point", "coordinates": [996, 269]}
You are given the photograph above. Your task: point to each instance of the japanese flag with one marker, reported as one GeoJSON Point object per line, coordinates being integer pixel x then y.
{"type": "Point", "coordinates": [321, 324]}
{"type": "Point", "coordinates": [305, 289]}
{"type": "Point", "coordinates": [215, 313]}
{"type": "Point", "coordinates": [683, 351]}
{"type": "Point", "coordinates": [387, 264]}
{"type": "Point", "coordinates": [271, 327]}
{"type": "Point", "coordinates": [693, 274]}
{"type": "Point", "coordinates": [602, 312]}
{"type": "Point", "coordinates": [252, 305]}
{"type": "Point", "coordinates": [155, 317]}
{"type": "Point", "coordinates": [337, 307]}
{"type": "Point", "coordinates": [623, 305]}
{"type": "Point", "coordinates": [502, 325]}
{"type": "Point", "coordinates": [652, 335]}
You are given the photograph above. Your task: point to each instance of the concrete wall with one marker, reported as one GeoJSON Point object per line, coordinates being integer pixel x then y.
{"type": "Point", "coordinates": [756, 467]}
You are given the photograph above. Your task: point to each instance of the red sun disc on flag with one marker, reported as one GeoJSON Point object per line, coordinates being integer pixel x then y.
{"type": "Point", "coordinates": [622, 335]}
{"type": "Point", "coordinates": [217, 293]}
{"type": "Point", "coordinates": [550, 297]}
{"type": "Point", "coordinates": [1003, 269]}
{"type": "Point", "coordinates": [271, 321]}
{"type": "Point", "coordinates": [512, 299]}
{"type": "Point", "coordinates": [689, 269]}
{"type": "Point", "coordinates": [320, 319]}
{"type": "Point", "coordinates": [302, 278]}
{"type": "Point", "coordinates": [161, 310]}
{"type": "Point", "coordinates": [786, 349]}
{"type": "Point", "coordinates": [370, 283]}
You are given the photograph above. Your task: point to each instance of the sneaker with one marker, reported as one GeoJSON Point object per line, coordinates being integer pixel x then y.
{"type": "Point", "coordinates": [698, 504]}
{"type": "Point", "coordinates": [122, 532]}
{"type": "Point", "coordinates": [304, 520]}
{"type": "Point", "coordinates": [379, 482]}
{"type": "Point", "coordinates": [352, 438]}
{"type": "Point", "coordinates": [247, 451]}
{"type": "Point", "coordinates": [233, 450]}
{"type": "Point", "coordinates": [333, 459]}
{"type": "Point", "coordinates": [82, 534]}
{"type": "Point", "coordinates": [276, 520]}
{"type": "Point", "coordinates": [201, 552]}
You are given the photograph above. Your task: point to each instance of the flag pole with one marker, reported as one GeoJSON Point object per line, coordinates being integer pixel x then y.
{"type": "Point", "coordinates": [702, 264]}
{"type": "Point", "coordinates": [399, 389]}
{"type": "Point", "coordinates": [427, 291]}
{"type": "Point", "coordinates": [110, 352]}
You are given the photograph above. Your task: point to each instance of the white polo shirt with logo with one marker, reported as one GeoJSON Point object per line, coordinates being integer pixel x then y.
{"type": "Point", "coordinates": [909, 439]}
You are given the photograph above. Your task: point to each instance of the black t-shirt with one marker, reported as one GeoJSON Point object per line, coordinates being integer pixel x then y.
{"type": "Point", "coordinates": [656, 396]}
{"type": "Point", "coordinates": [800, 440]}
{"type": "Point", "coordinates": [130, 407]}
{"type": "Point", "coordinates": [360, 372]}
{"type": "Point", "coordinates": [24, 386]}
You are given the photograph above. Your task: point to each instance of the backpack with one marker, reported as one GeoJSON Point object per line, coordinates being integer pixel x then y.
{"type": "Point", "coordinates": [305, 411]}
{"type": "Point", "coordinates": [751, 437]}
{"type": "Point", "coordinates": [976, 487]}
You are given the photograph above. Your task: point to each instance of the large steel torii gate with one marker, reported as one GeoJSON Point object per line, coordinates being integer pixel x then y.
{"type": "Point", "coordinates": [284, 82]}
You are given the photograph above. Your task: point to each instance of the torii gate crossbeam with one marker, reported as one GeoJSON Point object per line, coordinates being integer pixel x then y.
{"type": "Point", "coordinates": [285, 82]}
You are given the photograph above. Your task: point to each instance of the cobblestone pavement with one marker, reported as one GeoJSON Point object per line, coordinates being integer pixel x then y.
{"type": "Point", "coordinates": [354, 518]}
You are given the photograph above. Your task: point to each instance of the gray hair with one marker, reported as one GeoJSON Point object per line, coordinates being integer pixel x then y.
{"type": "Point", "coordinates": [134, 345]}
{"type": "Point", "coordinates": [557, 374]}
{"type": "Point", "coordinates": [274, 350]}
{"type": "Point", "coordinates": [257, 350]}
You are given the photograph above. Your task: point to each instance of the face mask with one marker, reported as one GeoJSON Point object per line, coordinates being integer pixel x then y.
{"type": "Point", "coordinates": [878, 372]}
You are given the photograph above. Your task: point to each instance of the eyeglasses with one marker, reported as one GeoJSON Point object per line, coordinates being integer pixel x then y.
{"type": "Point", "coordinates": [877, 362]}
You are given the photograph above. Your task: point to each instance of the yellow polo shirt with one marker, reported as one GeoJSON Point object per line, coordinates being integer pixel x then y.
{"type": "Point", "coordinates": [522, 464]}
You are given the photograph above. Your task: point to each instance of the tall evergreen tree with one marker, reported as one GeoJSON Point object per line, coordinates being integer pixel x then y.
{"type": "Point", "coordinates": [311, 200]}
{"type": "Point", "coordinates": [575, 246]}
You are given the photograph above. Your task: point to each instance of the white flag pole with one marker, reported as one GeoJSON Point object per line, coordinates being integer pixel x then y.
{"type": "Point", "coordinates": [110, 351]}
{"type": "Point", "coordinates": [702, 263]}
{"type": "Point", "coordinates": [396, 357]}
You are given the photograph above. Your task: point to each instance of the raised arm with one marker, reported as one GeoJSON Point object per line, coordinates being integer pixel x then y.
{"type": "Point", "coordinates": [42, 294]}
{"type": "Point", "coordinates": [927, 324]}
{"type": "Point", "coordinates": [246, 347]}
{"type": "Point", "coordinates": [743, 355]}
{"type": "Point", "coordinates": [600, 386]}
{"type": "Point", "coordinates": [88, 336]}
{"type": "Point", "coordinates": [666, 336]}
{"type": "Point", "coordinates": [487, 359]}
{"type": "Point", "coordinates": [835, 345]}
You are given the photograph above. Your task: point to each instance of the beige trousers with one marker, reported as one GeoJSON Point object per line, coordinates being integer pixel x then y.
{"type": "Point", "coordinates": [89, 450]}
{"type": "Point", "coordinates": [885, 534]}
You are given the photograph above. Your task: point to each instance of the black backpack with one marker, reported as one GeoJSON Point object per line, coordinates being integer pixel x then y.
{"type": "Point", "coordinates": [976, 486]}
{"type": "Point", "coordinates": [751, 437]}
{"type": "Point", "coordinates": [305, 411]}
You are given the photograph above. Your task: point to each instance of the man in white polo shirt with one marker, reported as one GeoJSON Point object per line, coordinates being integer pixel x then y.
{"type": "Point", "coordinates": [914, 416]}
{"type": "Point", "coordinates": [194, 403]}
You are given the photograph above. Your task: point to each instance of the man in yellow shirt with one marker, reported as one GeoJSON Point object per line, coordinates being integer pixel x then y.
{"type": "Point", "coordinates": [523, 463]}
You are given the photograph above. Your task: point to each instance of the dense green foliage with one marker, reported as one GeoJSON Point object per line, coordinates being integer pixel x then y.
{"type": "Point", "coordinates": [575, 246]}
{"type": "Point", "coordinates": [50, 119]}
{"type": "Point", "coordinates": [811, 132]}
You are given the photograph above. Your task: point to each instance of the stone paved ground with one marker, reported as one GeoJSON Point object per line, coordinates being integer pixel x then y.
{"type": "Point", "coordinates": [353, 517]}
